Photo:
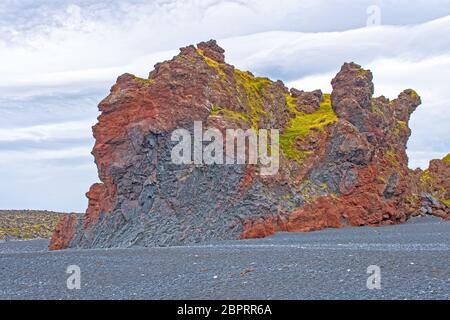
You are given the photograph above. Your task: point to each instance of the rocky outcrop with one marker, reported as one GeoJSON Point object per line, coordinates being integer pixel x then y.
{"type": "Point", "coordinates": [64, 232]}
{"type": "Point", "coordinates": [435, 183]}
{"type": "Point", "coordinates": [342, 159]}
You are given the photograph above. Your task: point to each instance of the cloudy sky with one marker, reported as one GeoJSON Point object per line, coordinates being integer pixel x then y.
{"type": "Point", "coordinates": [58, 59]}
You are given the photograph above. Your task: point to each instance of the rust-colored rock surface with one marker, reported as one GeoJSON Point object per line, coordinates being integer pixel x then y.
{"type": "Point", "coordinates": [64, 232]}
{"type": "Point", "coordinates": [343, 158]}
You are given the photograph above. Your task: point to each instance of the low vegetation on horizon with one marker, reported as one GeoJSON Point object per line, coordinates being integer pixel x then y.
{"type": "Point", "coordinates": [27, 224]}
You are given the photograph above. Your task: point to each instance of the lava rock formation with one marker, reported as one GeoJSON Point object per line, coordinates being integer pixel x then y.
{"type": "Point", "coordinates": [343, 158]}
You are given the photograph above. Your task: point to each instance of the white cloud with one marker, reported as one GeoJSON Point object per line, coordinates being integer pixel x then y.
{"type": "Point", "coordinates": [79, 62]}
{"type": "Point", "coordinates": [39, 184]}
{"type": "Point", "coordinates": [22, 85]}
{"type": "Point", "coordinates": [292, 55]}
{"type": "Point", "coordinates": [9, 157]}
{"type": "Point", "coordinates": [421, 159]}
{"type": "Point", "coordinates": [55, 131]}
{"type": "Point", "coordinates": [58, 58]}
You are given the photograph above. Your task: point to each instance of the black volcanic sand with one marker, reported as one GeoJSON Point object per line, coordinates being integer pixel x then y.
{"type": "Point", "coordinates": [330, 264]}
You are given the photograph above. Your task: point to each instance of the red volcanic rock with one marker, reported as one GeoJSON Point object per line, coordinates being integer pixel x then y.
{"type": "Point", "coordinates": [97, 196]}
{"type": "Point", "coordinates": [438, 176]}
{"type": "Point", "coordinates": [435, 186]}
{"type": "Point", "coordinates": [64, 232]}
{"type": "Point", "coordinates": [211, 50]}
{"type": "Point", "coordinates": [343, 158]}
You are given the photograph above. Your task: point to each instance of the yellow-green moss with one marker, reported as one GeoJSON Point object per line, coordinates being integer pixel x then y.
{"type": "Point", "coordinates": [425, 176]}
{"type": "Point", "coordinates": [333, 195]}
{"type": "Point", "coordinates": [27, 224]}
{"type": "Point", "coordinates": [445, 201]}
{"type": "Point", "coordinates": [145, 82]}
{"type": "Point", "coordinates": [391, 156]}
{"type": "Point", "coordinates": [310, 191]}
{"type": "Point", "coordinates": [446, 159]}
{"type": "Point", "coordinates": [286, 197]}
{"type": "Point", "coordinates": [399, 126]}
{"type": "Point", "coordinates": [413, 93]}
{"type": "Point", "coordinates": [291, 102]}
{"type": "Point", "coordinates": [362, 72]}
{"type": "Point", "coordinates": [215, 110]}
{"type": "Point", "coordinates": [232, 114]}
{"type": "Point", "coordinates": [212, 63]}
{"type": "Point", "coordinates": [412, 198]}
{"type": "Point", "coordinates": [303, 125]}
{"type": "Point", "coordinates": [250, 93]}
{"type": "Point", "coordinates": [376, 109]}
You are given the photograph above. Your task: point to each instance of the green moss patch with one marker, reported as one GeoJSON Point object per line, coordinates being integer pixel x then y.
{"type": "Point", "coordinates": [144, 82]}
{"type": "Point", "coordinates": [413, 93]}
{"type": "Point", "coordinates": [228, 113]}
{"type": "Point", "coordinates": [425, 176]}
{"type": "Point", "coordinates": [392, 157]}
{"type": "Point", "coordinates": [400, 126]}
{"type": "Point", "coordinates": [303, 125]}
{"type": "Point", "coordinates": [212, 63]}
{"type": "Point", "coordinates": [250, 93]}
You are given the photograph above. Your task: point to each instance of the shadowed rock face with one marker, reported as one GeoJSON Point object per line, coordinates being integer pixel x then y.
{"type": "Point", "coordinates": [343, 159]}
